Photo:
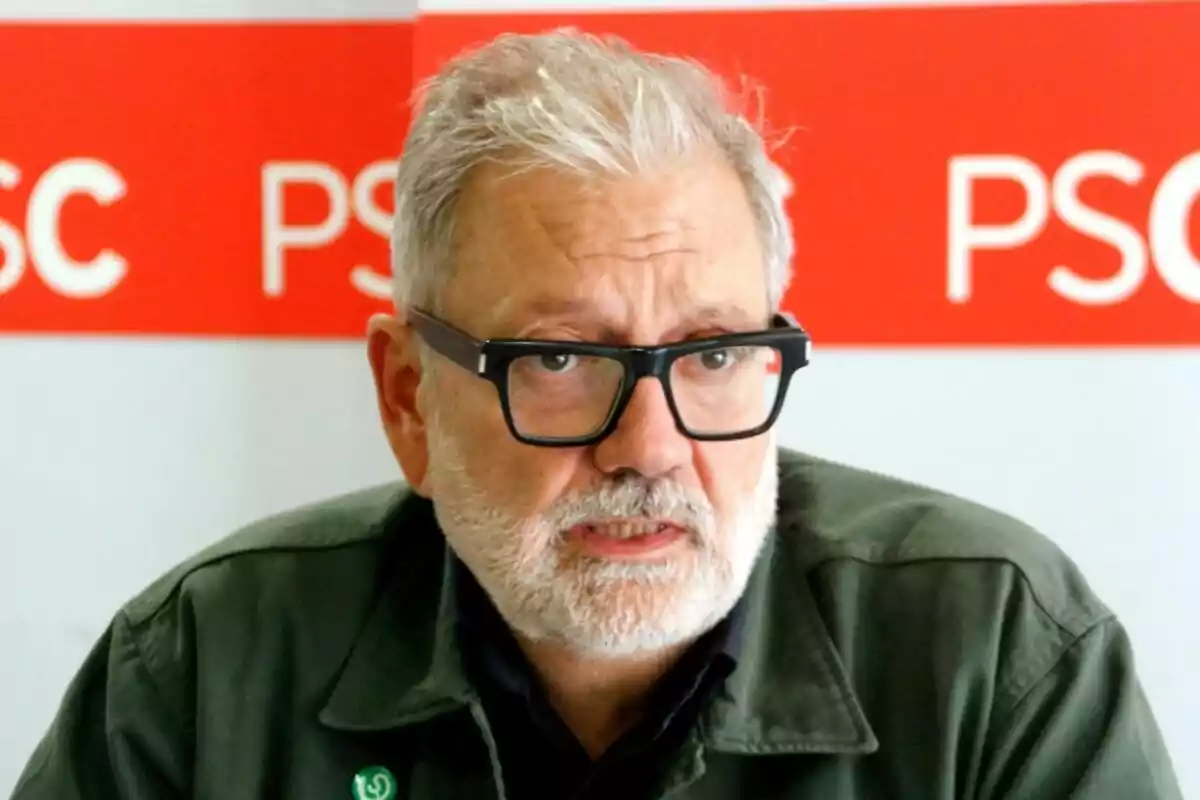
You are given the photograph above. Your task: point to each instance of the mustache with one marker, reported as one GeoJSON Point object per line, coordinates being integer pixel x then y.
{"type": "Point", "coordinates": [635, 497]}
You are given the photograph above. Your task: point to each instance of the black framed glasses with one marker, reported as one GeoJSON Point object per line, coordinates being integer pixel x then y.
{"type": "Point", "coordinates": [571, 394]}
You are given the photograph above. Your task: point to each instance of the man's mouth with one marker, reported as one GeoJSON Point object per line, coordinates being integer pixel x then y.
{"type": "Point", "coordinates": [625, 538]}
{"type": "Point", "coordinates": [627, 529]}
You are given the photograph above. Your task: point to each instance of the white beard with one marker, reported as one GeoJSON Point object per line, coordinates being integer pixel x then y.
{"type": "Point", "coordinates": [603, 608]}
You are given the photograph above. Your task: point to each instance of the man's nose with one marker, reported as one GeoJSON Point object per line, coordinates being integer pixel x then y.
{"type": "Point", "coordinates": [646, 439]}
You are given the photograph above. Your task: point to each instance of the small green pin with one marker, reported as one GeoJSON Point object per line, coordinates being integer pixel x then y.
{"type": "Point", "coordinates": [374, 783]}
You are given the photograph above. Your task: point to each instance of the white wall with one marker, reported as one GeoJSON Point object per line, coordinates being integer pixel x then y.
{"type": "Point", "coordinates": [118, 457]}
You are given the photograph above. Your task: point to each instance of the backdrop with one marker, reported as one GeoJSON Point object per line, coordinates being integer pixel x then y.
{"type": "Point", "coordinates": [999, 260]}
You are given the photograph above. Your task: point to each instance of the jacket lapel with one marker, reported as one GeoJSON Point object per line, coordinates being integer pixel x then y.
{"type": "Point", "coordinates": [405, 666]}
{"type": "Point", "coordinates": [790, 692]}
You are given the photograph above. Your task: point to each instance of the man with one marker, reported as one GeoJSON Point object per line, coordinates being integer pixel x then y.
{"type": "Point", "coordinates": [603, 578]}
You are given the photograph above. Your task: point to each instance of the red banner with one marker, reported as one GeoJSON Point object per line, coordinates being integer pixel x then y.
{"type": "Point", "coordinates": [1002, 175]}
{"type": "Point", "coordinates": [198, 179]}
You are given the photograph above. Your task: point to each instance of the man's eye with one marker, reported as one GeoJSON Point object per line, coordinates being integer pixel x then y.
{"type": "Point", "coordinates": [558, 362]}
{"type": "Point", "coordinates": [716, 359]}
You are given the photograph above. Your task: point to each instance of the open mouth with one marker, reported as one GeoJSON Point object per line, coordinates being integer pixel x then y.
{"type": "Point", "coordinates": [625, 538]}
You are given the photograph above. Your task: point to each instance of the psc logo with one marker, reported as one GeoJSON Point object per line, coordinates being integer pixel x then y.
{"type": "Point", "coordinates": [374, 783]}
{"type": "Point", "coordinates": [1168, 223]}
{"type": "Point", "coordinates": [41, 245]}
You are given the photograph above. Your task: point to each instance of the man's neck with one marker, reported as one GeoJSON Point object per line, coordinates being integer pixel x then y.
{"type": "Point", "coordinates": [599, 699]}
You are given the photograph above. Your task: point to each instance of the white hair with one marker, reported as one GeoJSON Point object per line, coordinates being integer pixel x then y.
{"type": "Point", "coordinates": [588, 104]}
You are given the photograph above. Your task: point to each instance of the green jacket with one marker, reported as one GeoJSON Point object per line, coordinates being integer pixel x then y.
{"type": "Point", "coordinates": [899, 644]}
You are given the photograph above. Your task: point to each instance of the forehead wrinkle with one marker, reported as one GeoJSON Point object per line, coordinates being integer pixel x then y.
{"type": "Point", "coordinates": [673, 239]}
{"type": "Point", "coordinates": [601, 215]}
{"type": "Point", "coordinates": [644, 255]}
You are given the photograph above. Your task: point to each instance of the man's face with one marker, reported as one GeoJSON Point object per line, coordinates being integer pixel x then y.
{"type": "Point", "coordinates": [646, 539]}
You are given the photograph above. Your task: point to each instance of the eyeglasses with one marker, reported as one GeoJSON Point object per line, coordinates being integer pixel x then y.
{"type": "Point", "coordinates": [571, 394]}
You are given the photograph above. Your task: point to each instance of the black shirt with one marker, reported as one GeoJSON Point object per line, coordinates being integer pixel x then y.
{"type": "Point", "coordinates": [540, 757]}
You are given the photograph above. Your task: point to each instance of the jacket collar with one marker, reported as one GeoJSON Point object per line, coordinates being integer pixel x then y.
{"type": "Point", "coordinates": [789, 693]}
{"type": "Point", "coordinates": [405, 666]}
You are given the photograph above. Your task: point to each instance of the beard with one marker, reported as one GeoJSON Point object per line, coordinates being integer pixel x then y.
{"type": "Point", "coordinates": [547, 592]}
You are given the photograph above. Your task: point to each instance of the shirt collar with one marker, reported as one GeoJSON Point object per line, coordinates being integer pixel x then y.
{"type": "Point", "coordinates": [789, 693]}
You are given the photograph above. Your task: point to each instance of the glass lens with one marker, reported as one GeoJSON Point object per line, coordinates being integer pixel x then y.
{"type": "Point", "coordinates": [725, 390]}
{"type": "Point", "coordinates": [562, 395]}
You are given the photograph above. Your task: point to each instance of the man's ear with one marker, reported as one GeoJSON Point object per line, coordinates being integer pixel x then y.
{"type": "Point", "coordinates": [394, 354]}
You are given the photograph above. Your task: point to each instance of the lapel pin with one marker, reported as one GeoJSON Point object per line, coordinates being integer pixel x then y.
{"type": "Point", "coordinates": [374, 783]}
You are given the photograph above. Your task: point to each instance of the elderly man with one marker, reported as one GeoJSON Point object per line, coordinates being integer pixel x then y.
{"type": "Point", "coordinates": [601, 578]}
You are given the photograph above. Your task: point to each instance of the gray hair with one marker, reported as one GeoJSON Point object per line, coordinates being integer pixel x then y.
{"type": "Point", "coordinates": [578, 102]}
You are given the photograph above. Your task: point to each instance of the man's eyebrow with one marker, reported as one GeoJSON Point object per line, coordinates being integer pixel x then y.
{"type": "Point", "coordinates": [726, 315]}
{"type": "Point", "coordinates": [713, 314]}
{"type": "Point", "coordinates": [511, 309]}
{"type": "Point", "coordinates": [557, 306]}
{"type": "Point", "coordinates": [509, 312]}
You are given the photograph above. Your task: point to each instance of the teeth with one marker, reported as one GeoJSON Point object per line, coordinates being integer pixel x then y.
{"type": "Point", "coordinates": [627, 530]}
